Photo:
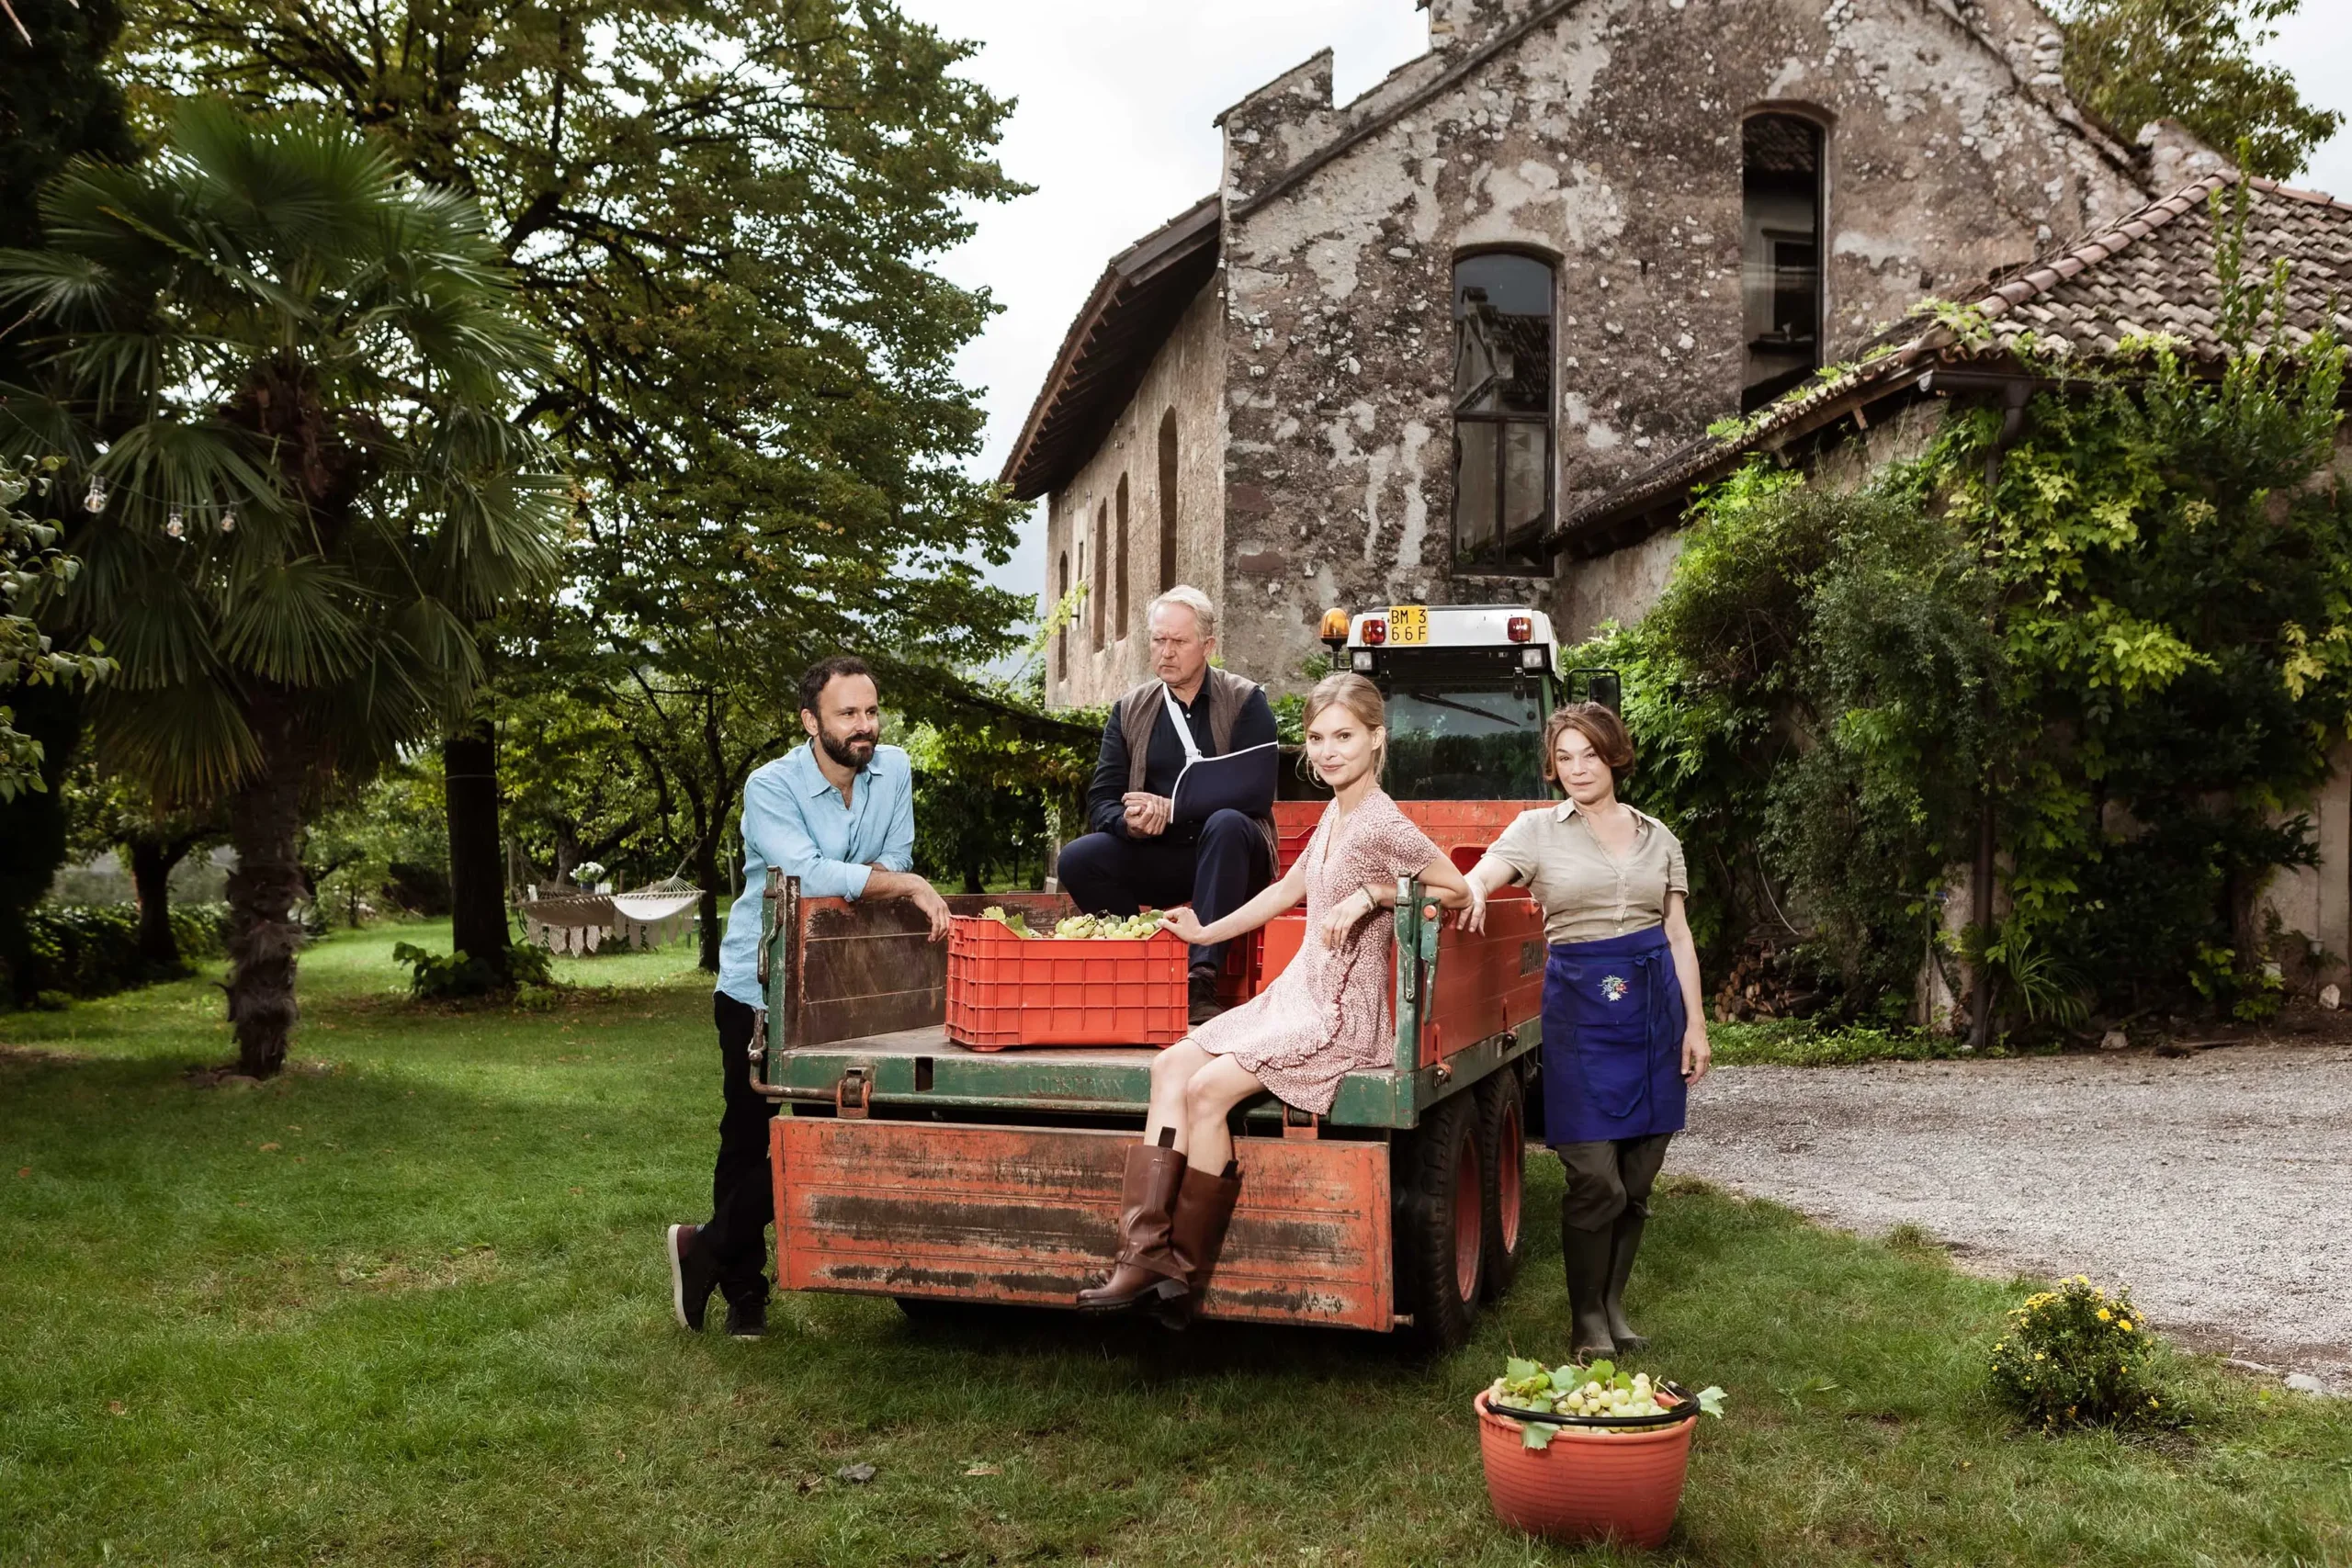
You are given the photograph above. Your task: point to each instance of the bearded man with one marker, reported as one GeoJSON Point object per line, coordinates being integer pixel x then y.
{"type": "Point", "coordinates": [838, 813]}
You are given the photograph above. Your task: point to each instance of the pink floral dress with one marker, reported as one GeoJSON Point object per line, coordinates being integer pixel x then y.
{"type": "Point", "coordinates": [1327, 1015]}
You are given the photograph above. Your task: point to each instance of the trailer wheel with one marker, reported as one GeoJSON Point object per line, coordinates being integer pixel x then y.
{"type": "Point", "coordinates": [1503, 1155]}
{"type": "Point", "coordinates": [1440, 1224]}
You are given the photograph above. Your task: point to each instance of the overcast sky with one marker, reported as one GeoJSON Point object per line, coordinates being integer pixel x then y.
{"type": "Point", "coordinates": [1113, 128]}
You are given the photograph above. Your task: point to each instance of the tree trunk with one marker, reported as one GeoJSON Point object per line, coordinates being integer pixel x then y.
{"type": "Point", "coordinates": [152, 862]}
{"type": "Point", "coordinates": [706, 878]}
{"type": "Point", "coordinates": [265, 829]}
{"type": "Point", "coordinates": [477, 882]}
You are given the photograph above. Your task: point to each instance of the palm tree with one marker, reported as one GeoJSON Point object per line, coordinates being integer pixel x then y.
{"type": "Point", "coordinates": [278, 367]}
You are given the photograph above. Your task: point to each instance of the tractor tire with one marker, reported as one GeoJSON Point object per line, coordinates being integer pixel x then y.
{"type": "Point", "coordinates": [1440, 1226]}
{"type": "Point", "coordinates": [1502, 1161]}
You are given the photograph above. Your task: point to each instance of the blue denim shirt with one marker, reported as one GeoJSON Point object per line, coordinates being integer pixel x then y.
{"type": "Point", "coordinates": [793, 819]}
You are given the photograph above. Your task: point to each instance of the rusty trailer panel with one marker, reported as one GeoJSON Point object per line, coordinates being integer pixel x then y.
{"type": "Point", "coordinates": [856, 1000]}
{"type": "Point", "coordinates": [1029, 1215]}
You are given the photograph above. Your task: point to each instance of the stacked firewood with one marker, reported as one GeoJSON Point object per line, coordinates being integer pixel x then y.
{"type": "Point", "coordinates": [1767, 979]}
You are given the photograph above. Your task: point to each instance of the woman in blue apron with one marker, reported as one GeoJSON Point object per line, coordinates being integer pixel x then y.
{"type": "Point", "coordinates": [1625, 1033]}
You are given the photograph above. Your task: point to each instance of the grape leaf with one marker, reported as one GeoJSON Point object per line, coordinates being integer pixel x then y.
{"type": "Point", "coordinates": [1601, 1371]}
{"type": "Point", "coordinates": [1516, 1369]}
{"type": "Point", "coordinates": [1537, 1435]}
{"type": "Point", "coordinates": [1711, 1400]}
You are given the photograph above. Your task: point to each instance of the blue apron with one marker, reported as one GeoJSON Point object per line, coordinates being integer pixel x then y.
{"type": "Point", "coordinates": [1612, 1039]}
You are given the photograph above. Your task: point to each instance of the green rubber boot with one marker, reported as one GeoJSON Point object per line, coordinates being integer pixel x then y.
{"type": "Point", "coordinates": [1586, 1255]}
{"type": "Point", "coordinates": [1625, 1244]}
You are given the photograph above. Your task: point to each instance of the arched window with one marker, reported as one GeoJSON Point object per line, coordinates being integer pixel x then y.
{"type": "Point", "coordinates": [1780, 164]}
{"type": "Point", "coordinates": [1119, 593]}
{"type": "Point", "coordinates": [1099, 592]}
{"type": "Point", "coordinates": [1167, 501]}
{"type": "Point", "coordinates": [1061, 637]}
{"type": "Point", "coordinates": [1502, 411]}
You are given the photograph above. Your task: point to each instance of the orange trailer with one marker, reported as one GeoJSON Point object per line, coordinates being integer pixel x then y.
{"type": "Point", "coordinates": [912, 1168]}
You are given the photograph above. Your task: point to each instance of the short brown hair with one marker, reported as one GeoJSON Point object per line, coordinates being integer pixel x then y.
{"type": "Point", "coordinates": [1597, 724]}
{"type": "Point", "coordinates": [823, 674]}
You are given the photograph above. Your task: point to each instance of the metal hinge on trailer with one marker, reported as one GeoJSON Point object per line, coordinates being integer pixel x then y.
{"type": "Point", "coordinates": [1298, 1123]}
{"type": "Point", "coordinates": [854, 1092]}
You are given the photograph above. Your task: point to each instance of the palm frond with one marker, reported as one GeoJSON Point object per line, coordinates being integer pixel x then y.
{"type": "Point", "coordinates": [188, 741]}
{"type": "Point", "coordinates": [383, 705]}
{"type": "Point", "coordinates": [300, 624]}
{"type": "Point", "coordinates": [60, 286]}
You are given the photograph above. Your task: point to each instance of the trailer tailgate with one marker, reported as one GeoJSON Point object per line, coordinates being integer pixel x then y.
{"type": "Point", "coordinates": [1024, 1214]}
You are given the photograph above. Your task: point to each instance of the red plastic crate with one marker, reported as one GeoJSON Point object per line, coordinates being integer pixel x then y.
{"type": "Point", "coordinates": [1006, 990]}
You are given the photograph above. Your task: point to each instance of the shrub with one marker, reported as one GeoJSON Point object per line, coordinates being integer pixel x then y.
{"type": "Point", "coordinates": [92, 950]}
{"type": "Point", "coordinates": [2076, 1357]}
{"type": "Point", "coordinates": [434, 977]}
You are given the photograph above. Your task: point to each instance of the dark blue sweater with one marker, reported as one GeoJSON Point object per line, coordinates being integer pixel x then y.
{"type": "Point", "coordinates": [1106, 797]}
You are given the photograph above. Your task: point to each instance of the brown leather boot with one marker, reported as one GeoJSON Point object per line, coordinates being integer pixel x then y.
{"type": "Point", "coordinates": [1146, 1267]}
{"type": "Point", "coordinates": [1196, 1235]}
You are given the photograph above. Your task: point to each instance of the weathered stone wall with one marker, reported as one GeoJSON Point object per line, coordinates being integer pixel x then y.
{"type": "Point", "coordinates": [1622, 585]}
{"type": "Point", "coordinates": [1607, 139]}
{"type": "Point", "coordinates": [1188, 376]}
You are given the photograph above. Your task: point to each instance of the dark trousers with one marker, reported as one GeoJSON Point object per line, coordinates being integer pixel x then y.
{"type": "Point", "coordinates": [742, 1201]}
{"type": "Point", "coordinates": [1217, 872]}
{"type": "Point", "coordinates": [1609, 1178]}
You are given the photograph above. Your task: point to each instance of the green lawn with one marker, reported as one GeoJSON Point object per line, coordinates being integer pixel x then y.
{"type": "Point", "coordinates": [407, 1305]}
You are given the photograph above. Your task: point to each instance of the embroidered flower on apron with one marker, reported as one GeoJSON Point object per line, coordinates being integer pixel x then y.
{"type": "Point", "coordinates": [1612, 989]}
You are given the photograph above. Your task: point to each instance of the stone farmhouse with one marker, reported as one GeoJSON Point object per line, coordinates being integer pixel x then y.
{"type": "Point", "coordinates": [1414, 345]}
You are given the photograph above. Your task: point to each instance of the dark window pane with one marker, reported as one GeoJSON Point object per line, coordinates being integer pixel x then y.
{"type": "Point", "coordinates": [1502, 313]}
{"type": "Point", "coordinates": [1527, 450]}
{"type": "Point", "coordinates": [1474, 488]}
{"type": "Point", "coordinates": [1780, 252]}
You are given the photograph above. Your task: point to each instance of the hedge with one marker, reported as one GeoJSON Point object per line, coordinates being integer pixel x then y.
{"type": "Point", "coordinates": [91, 949]}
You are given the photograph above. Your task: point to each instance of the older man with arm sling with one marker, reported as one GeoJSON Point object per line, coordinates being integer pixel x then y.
{"type": "Point", "coordinates": [1207, 840]}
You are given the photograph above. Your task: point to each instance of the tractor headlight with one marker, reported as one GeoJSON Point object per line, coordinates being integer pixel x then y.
{"type": "Point", "coordinates": [1362, 660]}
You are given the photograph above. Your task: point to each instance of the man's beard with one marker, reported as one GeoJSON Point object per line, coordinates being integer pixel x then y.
{"type": "Point", "coordinates": [853, 753]}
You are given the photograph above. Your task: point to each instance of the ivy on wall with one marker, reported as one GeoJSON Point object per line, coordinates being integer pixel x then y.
{"type": "Point", "coordinates": [2129, 629]}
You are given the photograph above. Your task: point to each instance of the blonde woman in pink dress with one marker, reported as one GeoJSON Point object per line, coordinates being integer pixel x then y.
{"type": "Point", "coordinates": [1324, 1017]}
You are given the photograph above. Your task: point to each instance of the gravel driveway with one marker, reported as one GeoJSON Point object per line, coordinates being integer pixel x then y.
{"type": "Point", "coordinates": [2219, 1185]}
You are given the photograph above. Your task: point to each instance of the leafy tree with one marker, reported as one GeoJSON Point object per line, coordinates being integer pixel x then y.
{"type": "Point", "coordinates": [55, 102]}
{"type": "Point", "coordinates": [724, 216]}
{"type": "Point", "coordinates": [287, 373]}
{"type": "Point", "coordinates": [112, 813]}
{"type": "Point", "coordinates": [39, 723]}
{"type": "Point", "coordinates": [381, 841]}
{"type": "Point", "coordinates": [2130, 61]}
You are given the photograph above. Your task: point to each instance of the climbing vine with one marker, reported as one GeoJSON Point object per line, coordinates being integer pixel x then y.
{"type": "Point", "coordinates": [2119, 634]}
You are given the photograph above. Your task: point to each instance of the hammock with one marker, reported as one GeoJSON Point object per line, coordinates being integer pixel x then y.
{"type": "Point", "coordinates": [583, 922]}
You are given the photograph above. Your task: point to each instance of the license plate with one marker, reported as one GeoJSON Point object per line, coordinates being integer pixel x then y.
{"type": "Point", "coordinates": [1409, 622]}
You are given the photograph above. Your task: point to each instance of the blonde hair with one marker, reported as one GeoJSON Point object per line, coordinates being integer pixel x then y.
{"type": "Point", "coordinates": [1361, 698]}
{"type": "Point", "coordinates": [1191, 598]}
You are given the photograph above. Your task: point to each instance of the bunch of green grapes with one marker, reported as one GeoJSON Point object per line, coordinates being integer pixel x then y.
{"type": "Point", "coordinates": [1016, 924]}
{"type": "Point", "coordinates": [1126, 928]}
{"type": "Point", "coordinates": [1599, 1391]}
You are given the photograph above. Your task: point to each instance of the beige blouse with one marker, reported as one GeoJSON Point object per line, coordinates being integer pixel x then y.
{"type": "Point", "coordinates": [1585, 892]}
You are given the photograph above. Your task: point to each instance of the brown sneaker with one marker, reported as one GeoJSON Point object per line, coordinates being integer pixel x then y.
{"type": "Point", "coordinates": [1201, 1002]}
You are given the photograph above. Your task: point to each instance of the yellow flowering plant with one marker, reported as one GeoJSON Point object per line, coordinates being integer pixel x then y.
{"type": "Point", "coordinates": [2076, 1356]}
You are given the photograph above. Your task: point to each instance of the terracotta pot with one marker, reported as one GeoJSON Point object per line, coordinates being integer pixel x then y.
{"type": "Point", "coordinates": [1590, 1483]}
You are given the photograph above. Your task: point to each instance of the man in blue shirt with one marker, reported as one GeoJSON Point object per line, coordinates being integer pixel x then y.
{"type": "Point", "coordinates": [839, 814]}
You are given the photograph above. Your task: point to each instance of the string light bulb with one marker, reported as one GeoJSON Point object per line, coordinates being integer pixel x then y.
{"type": "Point", "coordinates": [229, 521]}
{"type": "Point", "coordinates": [175, 523]}
{"type": "Point", "coordinates": [96, 501]}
